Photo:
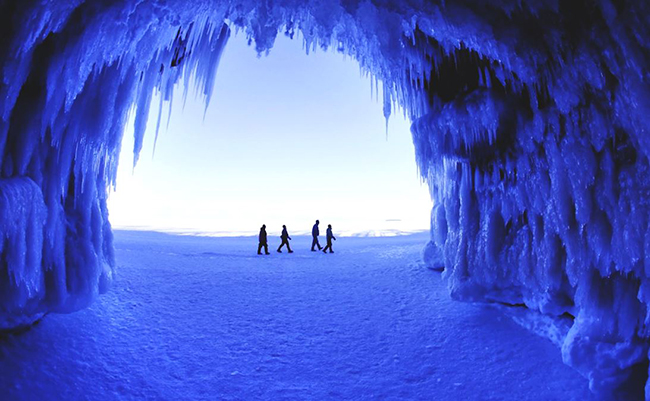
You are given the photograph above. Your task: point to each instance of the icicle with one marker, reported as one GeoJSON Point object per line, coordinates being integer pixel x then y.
{"type": "Point", "coordinates": [143, 104]}
{"type": "Point", "coordinates": [209, 74]}
{"type": "Point", "coordinates": [387, 107]}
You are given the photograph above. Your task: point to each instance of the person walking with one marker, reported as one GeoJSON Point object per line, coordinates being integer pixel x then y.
{"type": "Point", "coordinates": [330, 237]}
{"type": "Point", "coordinates": [285, 240]}
{"type": "Point", "coordinates": [314, 234]}
{"type": "Point", "coordinates": [263, 242]}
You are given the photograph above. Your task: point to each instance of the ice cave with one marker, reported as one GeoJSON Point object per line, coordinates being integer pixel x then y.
{"type": "Point", "coordinates": [529, 119]}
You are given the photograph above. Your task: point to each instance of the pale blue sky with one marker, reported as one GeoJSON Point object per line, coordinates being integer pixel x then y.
{"type": "Point", "coordinates": [288, 138]}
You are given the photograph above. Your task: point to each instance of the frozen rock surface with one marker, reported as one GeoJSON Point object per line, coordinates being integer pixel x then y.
{"type": "Point", "coordinates": [529, 121]}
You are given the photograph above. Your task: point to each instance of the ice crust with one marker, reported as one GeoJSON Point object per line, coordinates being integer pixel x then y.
{"type": "Point", "coordinates": [529, 121]}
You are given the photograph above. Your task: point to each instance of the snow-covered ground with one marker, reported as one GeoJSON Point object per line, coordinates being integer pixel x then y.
{"type": "Point", "coordinates": [199, 318]}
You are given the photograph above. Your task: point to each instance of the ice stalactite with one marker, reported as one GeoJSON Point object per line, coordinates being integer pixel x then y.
{"type": "Point", "coordinates": [71, 75]}
{"type": "Point", "coordinates": [529, 122]}
{"type": "Point", "coordinates": [540, 188]}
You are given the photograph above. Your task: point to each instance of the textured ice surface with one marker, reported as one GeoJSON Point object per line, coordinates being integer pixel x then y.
{"type": "Point", "coordinates": [367, 322]}
{"type": "Point", "coordinates": [529, 121]}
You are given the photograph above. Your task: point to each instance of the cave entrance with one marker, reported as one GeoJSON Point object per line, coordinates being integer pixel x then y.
{"type": "Point", "coordinates": [288, 138]}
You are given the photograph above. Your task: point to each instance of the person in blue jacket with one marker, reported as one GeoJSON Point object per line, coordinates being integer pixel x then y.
{"type": "Point", "coordinates": [314, 234]}
{"type": "Point", "coordinates": [285, 240]}
{"type": "Point", "coordinates": [330, 237]}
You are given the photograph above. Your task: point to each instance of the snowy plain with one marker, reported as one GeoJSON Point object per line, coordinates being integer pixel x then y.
{"type": "Point", "coordinates": [202, 318]}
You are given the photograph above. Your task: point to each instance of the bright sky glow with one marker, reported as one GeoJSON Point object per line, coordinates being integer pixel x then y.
{"type": "Point", "coordinates": [287, 139]}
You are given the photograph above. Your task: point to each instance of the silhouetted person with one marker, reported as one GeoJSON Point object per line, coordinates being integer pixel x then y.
{"type": "Point", "coordinates": [330, 237]}
{"type": "Point", "coordinates": [263, 242]}
{"type": "Point", "coordinates": [285, 239]}
{"type": "Point", "coordinates": [314, 234]}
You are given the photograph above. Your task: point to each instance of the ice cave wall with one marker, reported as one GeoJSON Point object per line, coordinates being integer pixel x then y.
{"type": "Point", "coordinates": [529, 121]}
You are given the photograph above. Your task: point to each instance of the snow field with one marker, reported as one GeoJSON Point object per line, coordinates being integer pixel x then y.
{"type": "Point", "coordinates": [199, 318]}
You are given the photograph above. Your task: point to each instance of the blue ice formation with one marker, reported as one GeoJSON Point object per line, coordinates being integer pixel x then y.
{"type": "Point", "coordinates": [529, 121]}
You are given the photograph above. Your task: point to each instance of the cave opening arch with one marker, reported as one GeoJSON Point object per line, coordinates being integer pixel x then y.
{"type": "Point", "coordinates": [529, 121]}
{"type": "Point", "coordinates": [287, 138]}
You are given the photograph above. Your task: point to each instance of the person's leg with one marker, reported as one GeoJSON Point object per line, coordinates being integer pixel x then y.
{"type": "Point", "coordinates": [318, 244]}
{"type": "Point", "coordinates": [313, 243]}
{"type": "Point", "coordinates": [289, 247]}
{"type": "Point", "coordinates": [259, 249]}
{"type": "Point", "coordinates": [266, 248]}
